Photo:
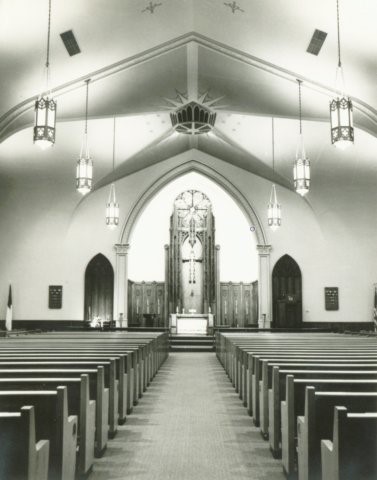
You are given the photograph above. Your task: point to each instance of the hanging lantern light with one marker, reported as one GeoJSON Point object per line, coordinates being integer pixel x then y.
{"type": "Point", "coordinates": [45, 105]}
{"type": "Point", "coordinates": [273, 208]}
{"type": "Point", "coordinates": [301, 168]}
{"type": "Point", "coordinates": [84, 168]}
{"type": "Point", "coordinates": [341, 116]}
{"type": "Point", "coordinates": [112, 207]}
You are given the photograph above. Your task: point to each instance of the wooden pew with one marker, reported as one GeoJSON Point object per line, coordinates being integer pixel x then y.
{"type": "Point", "coordinates": [79, 404]}
{"type": "Point", "coordinates": [317, 423]}
{"type": "Point", "coordinates": [294, 406]}
{"type": "Point", "coordinates": [245, 352]}
{"type": "Point", "coordinates": [21, 458]}
{"type": "Point", "coordinates": [97, 392]}
{"type": "Point", "coordinates": [319, 365]}
{"type": "Point", "coordinates": [52, 423]}
{"type": "Point", "coordinates": [121, 374]}
{"type": "Point", "coordinates": [352, 452]}
{"type": "Point", "coordinates": [317, 356]}
{"type": "Point", "coordinates": [133, 380]}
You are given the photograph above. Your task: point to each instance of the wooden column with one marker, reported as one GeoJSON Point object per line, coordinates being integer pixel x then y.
{"type": "Point", "coordinates": [121, 282]}
{"type": "Point", "coordinates": [166, 312]}
{"type": "Point", "coordinates": [264, 287]}
{"type": "Point", "coordinates": [217, 279]}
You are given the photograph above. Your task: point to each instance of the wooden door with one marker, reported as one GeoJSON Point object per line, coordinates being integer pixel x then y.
{"type": "Point", "coordinates": [286, 294]}
{"type": "Point", "coordinates": [99, 289]}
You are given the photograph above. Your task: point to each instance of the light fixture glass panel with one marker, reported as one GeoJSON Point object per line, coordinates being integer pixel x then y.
{"type": "Point", "coordinates": [84, 175]}
{"type": "Point", "coordinates": [301, 169]}
{"type": "Point", "coordinates": [44, 123]}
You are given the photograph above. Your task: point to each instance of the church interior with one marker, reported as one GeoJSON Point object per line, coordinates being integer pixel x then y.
{"type": "Point", "coordinates": [188, 271]}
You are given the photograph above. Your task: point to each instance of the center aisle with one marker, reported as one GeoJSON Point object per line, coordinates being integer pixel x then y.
{"type": "Point", "coordinates": [189, 425]}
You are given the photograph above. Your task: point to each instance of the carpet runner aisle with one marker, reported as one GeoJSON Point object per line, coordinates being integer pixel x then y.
{"type": "Point", "coordinates": [189, 425]}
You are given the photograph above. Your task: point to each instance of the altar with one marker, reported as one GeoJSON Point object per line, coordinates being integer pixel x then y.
{"type": "Point", "coordinates": [191, 323]}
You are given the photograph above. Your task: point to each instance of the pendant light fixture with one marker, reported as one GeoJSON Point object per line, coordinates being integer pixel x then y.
{"type": "Point", "coordinates": [342, 133]}
{"type": "Point", "coordinates": [84, 168]}
{"type": "Point", "coordinates": [274, 208]}
{"type": "Point", "coordinates": [45, 105]}
{"type": "Point", "coordinates": [301, 168]}
{"type": "Point", "coordinates": [112, 207]}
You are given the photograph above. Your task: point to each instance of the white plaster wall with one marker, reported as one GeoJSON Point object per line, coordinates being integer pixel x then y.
{"type": "Point", "coordinates": [46, 240]}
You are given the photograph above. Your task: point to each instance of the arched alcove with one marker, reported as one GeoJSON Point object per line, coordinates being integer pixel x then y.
{"type": "Point", "coordinates": [99, 289]}
{"type": "Point", "coordinates": [286, 293]}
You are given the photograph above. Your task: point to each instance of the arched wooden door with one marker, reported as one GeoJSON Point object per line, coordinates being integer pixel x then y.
{"type": "Point", "coordinates": [286, 294]}
{"type": "Point", "coordinates": [99, 289]}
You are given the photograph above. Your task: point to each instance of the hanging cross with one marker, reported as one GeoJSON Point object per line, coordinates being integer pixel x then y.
{"type": "Point", "coordinates": [234, 7]}
{"type": "Point", "coordinates": [151, 7]}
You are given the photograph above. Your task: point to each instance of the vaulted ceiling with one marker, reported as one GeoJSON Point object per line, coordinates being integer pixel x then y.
{"type": "Point", "coordinates": [139, 54]}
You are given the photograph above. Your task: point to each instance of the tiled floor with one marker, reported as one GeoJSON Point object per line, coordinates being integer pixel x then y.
{"type": "Point", "coordinates": [189, 425]}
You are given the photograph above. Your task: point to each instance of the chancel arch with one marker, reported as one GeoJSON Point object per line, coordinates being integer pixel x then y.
{"type": "Point", "coordinates": [286, 293]}
{"type": "Point", "coordinates": [244, 292]}
{"type": "Point", "coordinates": [99, 289]}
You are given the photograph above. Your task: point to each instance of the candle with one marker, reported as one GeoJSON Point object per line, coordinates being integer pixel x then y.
{"type": "Point", "coordinates": [225, 311]}
{"type": "Point", "coordinates": [236, 304]}
{"type": "Point", "coordinates": [137, 306]}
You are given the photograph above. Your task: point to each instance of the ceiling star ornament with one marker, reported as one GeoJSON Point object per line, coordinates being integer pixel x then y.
{"type": "Point", "coordinates": [301, 167]}
{"type": "Point", "coordinates": [45, 105]}
{"type": "Point", "coordinates": [193, 117]}
{"type": "Point", "coordinates": [151, 7]}
{"type": "Point", "coordinates": [341, 110]}
{"type": "Point", "coordinates": [234, 7]}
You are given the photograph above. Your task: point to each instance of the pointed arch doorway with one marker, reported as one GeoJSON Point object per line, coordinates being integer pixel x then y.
{"type": "Point", "coordinates": [286, 294]}
{"type": "Point", "coordinates": [99, 289]}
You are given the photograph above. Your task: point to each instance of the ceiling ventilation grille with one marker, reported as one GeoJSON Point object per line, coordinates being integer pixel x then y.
{"type": "Point", "coordinates": [70, 43]}
{"type": "Point", "coordinates": [316, 42]}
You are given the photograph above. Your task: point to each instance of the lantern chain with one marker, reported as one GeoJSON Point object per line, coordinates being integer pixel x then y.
{"type": "Point", "coordinates": [273, 145]}
{"type": "Point", "coordinates": [86, 105]}
{"type": "Point", "coordinates": [48, 35]}
{"type": "Point", "coordinates": [338, 27]}
{"type": "Point", "coordinates": [114, 145]}
{"type": "Point", "coordinates": [299, 103]}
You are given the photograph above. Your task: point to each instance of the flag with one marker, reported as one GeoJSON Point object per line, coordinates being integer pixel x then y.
{"type": "Point", "coordinates": [8, 319]}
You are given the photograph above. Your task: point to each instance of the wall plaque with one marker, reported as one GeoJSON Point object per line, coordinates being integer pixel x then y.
{"type": "Point", "coordinates": [331, 298]}
{"type": "Point", "coordinates": [55, 295]}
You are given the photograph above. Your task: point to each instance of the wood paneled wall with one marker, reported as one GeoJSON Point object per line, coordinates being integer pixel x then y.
{"type": "Point", "coordinates": [146, 307]}
{"type": "Point", "coordinates": [238, 304]}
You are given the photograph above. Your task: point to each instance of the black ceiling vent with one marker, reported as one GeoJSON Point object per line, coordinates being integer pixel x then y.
{"type": "Point", "coordinates": [316, 42]}
{"type": "Point", "coordinates": [70, 43]}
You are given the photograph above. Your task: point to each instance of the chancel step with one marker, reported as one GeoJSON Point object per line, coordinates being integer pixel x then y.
{"type": "Point", "coordinates": [191, 343]}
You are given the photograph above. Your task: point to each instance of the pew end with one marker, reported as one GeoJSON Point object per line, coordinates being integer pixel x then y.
{"type": "Point", "coordinates": [352, 452]}
{"type": "Point", "coordinates": [21, 457]}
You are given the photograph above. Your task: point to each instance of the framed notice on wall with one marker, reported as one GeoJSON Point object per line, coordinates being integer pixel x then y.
{"type": "Point", "coordinates": [55, 296]}
{"type": "Point", "coordinates": [331, 298]}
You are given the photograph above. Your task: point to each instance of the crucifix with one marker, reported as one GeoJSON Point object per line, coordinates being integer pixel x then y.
{"type": "Point", "coordinates": [192, 261]}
